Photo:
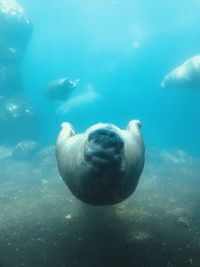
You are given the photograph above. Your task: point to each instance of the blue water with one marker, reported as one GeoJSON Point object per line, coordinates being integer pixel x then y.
{"type": "Point", "coordinates": [120, 50]}
{"type": "Point", "coordinates": [123, 49]}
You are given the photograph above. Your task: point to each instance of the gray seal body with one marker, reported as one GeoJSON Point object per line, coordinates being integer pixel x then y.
{"type": "Point", "coordinates": [101, 166]}
{"type": "Point", "coordinates": [61, 89]}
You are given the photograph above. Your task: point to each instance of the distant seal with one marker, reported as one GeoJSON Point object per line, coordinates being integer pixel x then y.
{"type": "Point", "coordinates": [60, 89]}
{"type": "Point", "coordinates": [185, 76]}
{"type": "Point", "coordinates": [101, 166]}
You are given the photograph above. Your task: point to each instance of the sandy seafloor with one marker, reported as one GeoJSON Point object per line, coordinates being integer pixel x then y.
{"type": "Point", "coordinates": [43, 225]}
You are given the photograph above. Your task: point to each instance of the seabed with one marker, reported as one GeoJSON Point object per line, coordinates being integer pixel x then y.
{"type": "Point", "coordinates": [43, 225]}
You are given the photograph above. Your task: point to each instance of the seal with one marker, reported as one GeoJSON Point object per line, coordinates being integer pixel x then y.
{"type": "Point", "coordinates": [185, 76]}
{"type": "Point", "coordinates": [60, 89]}
{"type": "Point", "coordinates": [101, 166]}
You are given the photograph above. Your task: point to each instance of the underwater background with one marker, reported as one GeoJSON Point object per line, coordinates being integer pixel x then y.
{"type": "Point", "coordinates": [121, 51]}
{"type": "Point", "coordinates": [124, 50]}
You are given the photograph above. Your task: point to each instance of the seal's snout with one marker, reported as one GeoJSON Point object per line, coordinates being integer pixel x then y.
{"type": "Point", "coordinates": [107, 138]}
{"type": "Point", "coordinates": [105, 147]}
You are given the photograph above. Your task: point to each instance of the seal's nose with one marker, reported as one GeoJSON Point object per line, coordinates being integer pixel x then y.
{"type": "Point", "coordinates": [106, 138]}
{"type": "Point", "coordinates": [105, 147]}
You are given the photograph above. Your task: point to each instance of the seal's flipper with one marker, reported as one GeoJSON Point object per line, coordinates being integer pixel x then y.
{"type": "Point", "coordinates": [134, 128]}
{"type": "Point", "coordinates": [66, 132]}
{"type": "Point", "coordinates": [134, 125]}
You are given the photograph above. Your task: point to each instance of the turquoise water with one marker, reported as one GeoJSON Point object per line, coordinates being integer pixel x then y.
{"type": "Point", "coordinates": [121, 51]}
{"type": "Point", "coordinates": [124, 50]}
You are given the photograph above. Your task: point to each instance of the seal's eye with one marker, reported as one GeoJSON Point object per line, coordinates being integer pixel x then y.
{"type": "Point", "coordinates": [106, 138]}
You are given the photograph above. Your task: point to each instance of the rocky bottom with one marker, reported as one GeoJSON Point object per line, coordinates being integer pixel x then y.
{"type": "Point", "coordinates": [43, 225]}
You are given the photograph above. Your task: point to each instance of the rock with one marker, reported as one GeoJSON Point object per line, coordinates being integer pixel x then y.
{"type": "Point", "coordinates": [18, 120]}
{"type": "Point", "coordinates": [5, 152]}
{"type": "Point", "coordinates": [46, 157]}
{"type": "Point", "coordinates": [25, 150]}
{"type": "Point", "coordinates": [15, 31]}
{"type": "Point", "coordinates": [10, 80]}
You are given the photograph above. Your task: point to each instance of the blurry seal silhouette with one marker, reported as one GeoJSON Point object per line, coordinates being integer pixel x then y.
{"type": "Point", "coordinates": [101, 166]}
{"type": "Point", "coordinates": [185, 76]}
{"type": "Point", "coordinates": [60, 89]}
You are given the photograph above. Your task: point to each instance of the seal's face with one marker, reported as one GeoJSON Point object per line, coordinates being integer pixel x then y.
{"type": "Point", "coordinates": [105, 147]}
{"type": "Point", "coordinates": [101, 166]}
{"type": "Point", "coordinates": [104, 154]}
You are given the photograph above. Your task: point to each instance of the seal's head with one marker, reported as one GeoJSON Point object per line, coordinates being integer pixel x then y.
{"type": "Point", "coordinates": [104, 147]}
{"type": "Point", "coordinates": [101, 166]}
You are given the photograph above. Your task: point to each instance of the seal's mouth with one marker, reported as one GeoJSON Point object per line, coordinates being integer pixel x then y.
{"type": "Point", "coordinates": [105, 147]}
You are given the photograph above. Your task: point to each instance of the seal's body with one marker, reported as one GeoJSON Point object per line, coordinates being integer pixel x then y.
{"type": "Point", "coordinates": [61, 89]}
{"type": "Point", "coordinates": [185, 76]}
{"type": "Point", "coordinates": [101, 166]}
